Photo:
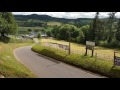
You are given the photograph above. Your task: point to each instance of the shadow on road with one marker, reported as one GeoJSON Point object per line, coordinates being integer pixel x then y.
{"type": "Point", "coordinates": [48, 58]}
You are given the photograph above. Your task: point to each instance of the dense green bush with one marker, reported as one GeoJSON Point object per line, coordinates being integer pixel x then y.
{"type": "Point", "coordinates": [103, 43]}
{"type": "Point", "coordinates": [112, 44]}
{"type": "Point", "coordinates": [63, 32]}
{"type": "Point", "coordinates": [86, 62]}
{"type": "Point", "coordinates": [49, 33]}
{"type": "Point", "coordinates": [39, 35]}
{"type": "Point", "coordinates": [4, 39]}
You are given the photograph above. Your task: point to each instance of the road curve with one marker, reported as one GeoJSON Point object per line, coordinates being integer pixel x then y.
{"type": "Point", "coordinates": [45, 67]}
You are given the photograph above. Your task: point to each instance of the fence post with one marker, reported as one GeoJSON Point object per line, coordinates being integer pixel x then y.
{"type": "Point", "coordinates": [114, 58]}
{"type": "Point", "coordinates": [92, 51]}
{"type": "Point", "coordinates": [86, 51]}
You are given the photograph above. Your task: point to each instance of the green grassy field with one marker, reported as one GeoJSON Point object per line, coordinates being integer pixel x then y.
{"type": "Point", "coordinates": [101, 51]}
{"type": "Point", "coordinates": [53, 23]}
{"type": "Point", "coordinates": [9, 66]}
{"type": "Point", "coordinates": [24, 30]}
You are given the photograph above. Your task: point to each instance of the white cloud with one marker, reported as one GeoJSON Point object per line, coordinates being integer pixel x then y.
{"type": "Point", "coordinates": [70, 15]}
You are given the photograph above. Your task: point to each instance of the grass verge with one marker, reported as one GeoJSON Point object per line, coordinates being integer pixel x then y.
{"type": "Point", "coordinates": [86, 62]}
{"type": "Point", "coordinates": [9, 66]}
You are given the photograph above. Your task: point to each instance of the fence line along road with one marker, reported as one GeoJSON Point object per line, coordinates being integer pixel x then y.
{"type": "Point", "coordinates": [81, 52]}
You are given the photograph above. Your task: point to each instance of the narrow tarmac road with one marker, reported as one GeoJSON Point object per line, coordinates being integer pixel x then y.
{"type": "Point", "coordinates": [45, 67]}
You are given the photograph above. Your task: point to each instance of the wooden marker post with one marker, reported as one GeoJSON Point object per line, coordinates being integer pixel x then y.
{"type": "Point", "coordinates": [86, 51]}
{"type": "Point", "coordinates": [92, 51]}
{"type": "Point", "coordinates": [114, 58]}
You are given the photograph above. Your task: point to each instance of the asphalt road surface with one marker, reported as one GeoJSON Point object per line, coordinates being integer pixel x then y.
{"type": "Point", "coordinates": [45, 67]}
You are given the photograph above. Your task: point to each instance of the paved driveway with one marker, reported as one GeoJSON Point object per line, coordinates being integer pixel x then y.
{"type": "Point", "coordinates": [45, 67]}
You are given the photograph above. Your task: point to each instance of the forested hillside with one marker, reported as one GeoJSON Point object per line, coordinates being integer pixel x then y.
{"type": "Point", "coordinates": [41, 20]}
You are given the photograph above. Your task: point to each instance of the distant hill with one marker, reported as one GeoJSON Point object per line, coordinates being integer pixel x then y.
{"type": "Point", "coordinates": [47, 18]}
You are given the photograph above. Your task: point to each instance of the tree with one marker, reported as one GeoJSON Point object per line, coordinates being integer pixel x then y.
{"type": "Point", "coordinates": [49, 33]}
{"type": "Point", "coordinates": [81, 37]}
{"type": "Point", "coordinates": [110, 23]}
{"type": "Point", "coordinates": [94, 28]}
{"type": "Point", "coordinates": [36, 30]}
{"type": "Point", "coordinates": [29, 30]}
{"type": "Point", "coordinates": [7, 24]}
{"type": "Point", "coordinates": [39, 35]}
{"type": "Point", "coordinates": [43, 31]}
{"type": "Point", "coordinates": [55, 31]}
{"type": "Point", "coordinates": [85, 29]}
{"type": "Point", "coordinates": [64, 31]}
{"type": "Point", "coordinates": [68, 32]}
{"type": "Point", "coordinates": [118, 31]}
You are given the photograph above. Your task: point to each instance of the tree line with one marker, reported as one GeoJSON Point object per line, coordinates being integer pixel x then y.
{"type": "Point", "coordinates": [31, 23]}
{"type": "Point", "coordinates": [104, 32]}
{"type": "Point", "coordinates": [41, 20]}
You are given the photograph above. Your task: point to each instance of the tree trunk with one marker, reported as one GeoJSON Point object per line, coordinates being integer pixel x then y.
{"type": "Point", "coordinates": [2, 34]}
{"type": "Point", "coordinates": [3, 38]}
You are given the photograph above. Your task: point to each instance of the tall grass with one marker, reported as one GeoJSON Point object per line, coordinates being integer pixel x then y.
{"type": "Point", "coordinates": [9, 66]}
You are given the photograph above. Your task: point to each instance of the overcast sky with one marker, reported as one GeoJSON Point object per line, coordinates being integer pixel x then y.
{"type": "Point", "coordinates": [70, 15]}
